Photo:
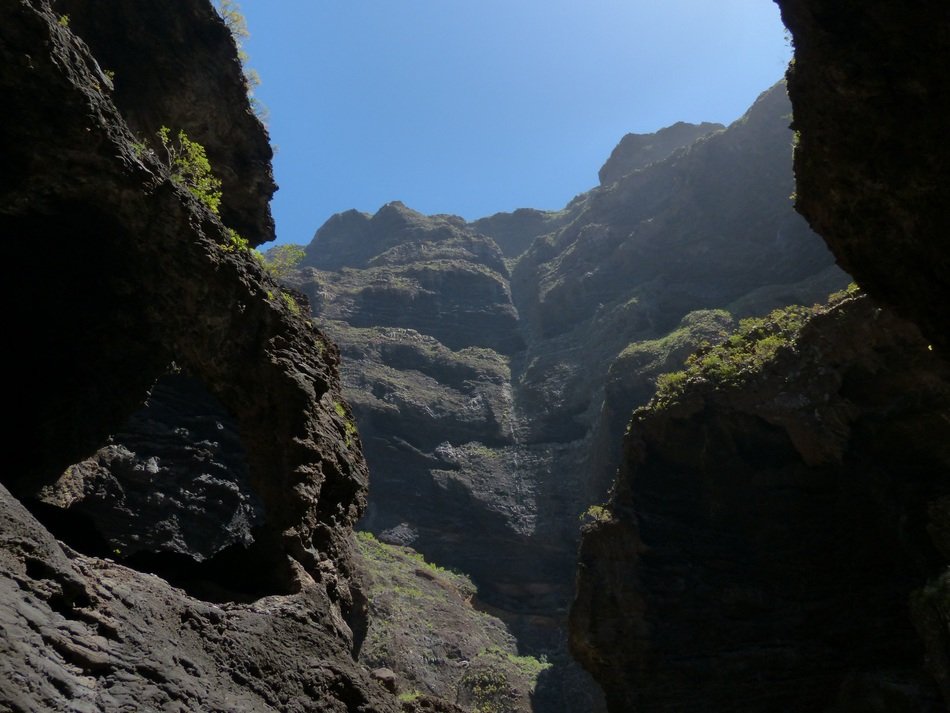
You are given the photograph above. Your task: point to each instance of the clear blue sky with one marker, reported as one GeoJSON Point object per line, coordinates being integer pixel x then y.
{"type": "Point", "coordinates": [478, 106]}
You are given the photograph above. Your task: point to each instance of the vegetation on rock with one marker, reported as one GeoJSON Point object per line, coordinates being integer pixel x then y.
{"type": "Point", "coordinates": [745, 352]}
{"type": "Point", "coordinates": [281, 260]}
{"type": "Point", "coordinates": [423, 626]}
{"type": "Point", "coordinates": [189, 167]}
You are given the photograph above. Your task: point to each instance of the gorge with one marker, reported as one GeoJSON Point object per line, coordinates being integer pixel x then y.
{"type": "Point", "coordinates": [776, 538]}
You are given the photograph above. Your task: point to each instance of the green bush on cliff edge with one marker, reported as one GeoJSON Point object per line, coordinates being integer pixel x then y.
{"type": "Point", "coordinates": [190, 168]}
{"type": "Point", "coordinates": [755, 343]}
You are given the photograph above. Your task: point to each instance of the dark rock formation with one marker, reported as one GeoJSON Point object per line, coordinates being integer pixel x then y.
{"type": "Point", "coordinates": [181, 78]}
{"type": "Point", "coordinates": [636, 151]}
{"type": "Point", "coordinates": [120, 271]}
{"type": "Point", "coordinates": [174, 479]}
{"type": "Point", "coordinates": [87, 634]}
{"type": "Point", "coordinates": [431, 274]}
{"type": "Point", "coordinates": [797, 559]}
{"type": "Point", "coordinates": [698, 230]}
{"type": "Point", "coordinates": [870, 89]}
{"type": "Point", "coordinates": [95, 344]}
{"type": "Point", "coordinates": [778, 542]}
{"type": "Point", "coordinates": [767, 528]}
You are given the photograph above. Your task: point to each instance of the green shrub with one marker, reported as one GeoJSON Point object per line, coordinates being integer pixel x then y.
{"type": "Point", "coordinates": [290, 302]}
{"type": "Point", "coordinates": [282, 259]}
{"type": "Point", "coordinates": [595, 513]}
{"type": "Point", "coordinates": [235, 242]}
{"type": "Point", "coordinates": [852, 290]}
{"type": "Point", "coordinates": [189, 167]}
{"type": "Point", "coordinates": [348, 426]}
{"type": "Point", "coordinates": [755, 343]}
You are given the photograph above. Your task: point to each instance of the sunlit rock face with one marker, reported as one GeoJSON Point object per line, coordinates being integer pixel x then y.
{"type": "Point", "coordinates": [493, 365]}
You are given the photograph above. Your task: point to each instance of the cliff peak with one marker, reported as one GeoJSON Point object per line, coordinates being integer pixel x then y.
{"type": "Point", "coordinates": [636, 151]}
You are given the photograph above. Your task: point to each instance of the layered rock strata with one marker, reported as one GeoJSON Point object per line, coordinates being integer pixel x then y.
{"type": "Point", "coordinates": [476, 355]}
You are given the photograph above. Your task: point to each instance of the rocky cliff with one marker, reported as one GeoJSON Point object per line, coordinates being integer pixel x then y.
{"type": "Point", "coordinates": [476, 355]}
{"type": "Point", "coordinates": [868, 87]}
{"type": "Point", "coordinates": [776, 538]}
{"type": "Point", "coordinates": [770, 522]}
{"type": "Point", "coordinates": [125, 272]}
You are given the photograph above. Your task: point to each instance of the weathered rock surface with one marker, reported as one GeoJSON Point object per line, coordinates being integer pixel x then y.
{"type": "Point", "coordinates": [780, 543]}
{"type": "Point", "coordinates": [173, 292]}
{"type": "Point", "coordinates": [86, 634]}
{"type": "Point", "coordinates": [403, 269]}
{"type": "Point", "coordinates": [869, 90]}
{"type": "Point", "coordinates": [174, 480]}
{"type": "Point", "coordinates": [766, 532]}
{"type": "Point", "coordinates": [121, 271]}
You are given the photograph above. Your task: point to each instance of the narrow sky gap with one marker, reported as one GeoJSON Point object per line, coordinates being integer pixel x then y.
{"type": "Point", "coordinates": [478, 106]}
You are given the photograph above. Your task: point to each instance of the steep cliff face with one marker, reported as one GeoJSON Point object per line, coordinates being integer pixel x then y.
{"type": "Point", "coordinates": [770, 522]}
{"type": "Point", "coordinates": [637, 151]}
{"type": "Point", "coordinates": [869, 90]}
{"type": "Point", "coordinates": [777, 539]}
{"type": "Point", "coordinates": [476, 355]}
{"type": "Point", "coordinates": [121, 271]}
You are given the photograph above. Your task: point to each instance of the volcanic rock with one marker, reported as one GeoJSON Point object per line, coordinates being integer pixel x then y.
{"type": "Point", "coordinates": [636, 151]}
{"type": "Point", "coordinates": [770, 522]}
{"type": "Point", "coordinates": [121, 272]}
{"type": "Point", "coordinates": [478, 372]}
{"type": "Point", "coordinates": [869, 90]}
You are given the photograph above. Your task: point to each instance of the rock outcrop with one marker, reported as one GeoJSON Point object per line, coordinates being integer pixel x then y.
{"type": "Point", "coordinates": [770, 522]}
{"type": "Point", "coordinates": [174, 480]}
{"type": "Point", "coordinates": [869, 88]}
{"type": "Point", "coordinates": [121, 271]}
{"type": "Point", "coordinates": [777, 540]}
{"type": "Point", "coordinates": [637, 151]}
{"type": "Point", "coordinates": [87, 634]}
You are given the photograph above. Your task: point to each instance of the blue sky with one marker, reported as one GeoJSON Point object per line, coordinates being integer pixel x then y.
{"type": "Point", "coordinates": [477, 106]}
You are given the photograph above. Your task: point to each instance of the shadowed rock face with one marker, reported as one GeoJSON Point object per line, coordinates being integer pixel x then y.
{"type": "Point", "coordinates": [636, 151]}
{"type": "Point", "coordinates": [174, 479]}
{"type": "Point", "coordinates": [119, 308]}
{"type": "Point", "coordinates": [870, 92]}
{"type": "Point", "coordinates": [120, 272]}
{"type": "Point", "coordinates": [764, 536]}
{"type": "Point", "coordinates": [87, 634]}
{"type": "Point", "coordinates": [781, 544]}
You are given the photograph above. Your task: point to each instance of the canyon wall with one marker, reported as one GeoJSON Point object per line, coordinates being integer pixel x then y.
{"type": "Point", "coordinates": [493, 365]}
{"type": "Point", "coordinates": [776, 537]}
{"type": "Point", "coordinates": [121, 273]}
